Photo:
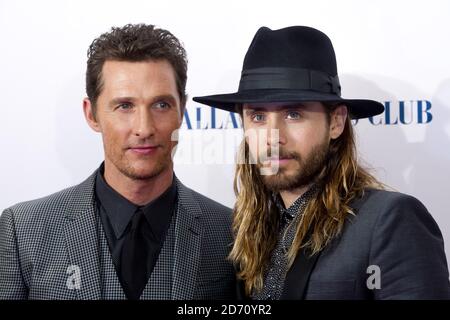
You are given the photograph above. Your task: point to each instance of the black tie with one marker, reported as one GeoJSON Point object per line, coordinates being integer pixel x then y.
{"type": "Point", "coordinates": [136, 250]}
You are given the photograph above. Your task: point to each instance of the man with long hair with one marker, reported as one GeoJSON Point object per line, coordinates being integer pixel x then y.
{"type": "Point", "coordinates": [309, 221]}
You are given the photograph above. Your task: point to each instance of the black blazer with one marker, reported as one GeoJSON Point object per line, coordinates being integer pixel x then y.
{"type": "Point", "coordinates": [393, 237]}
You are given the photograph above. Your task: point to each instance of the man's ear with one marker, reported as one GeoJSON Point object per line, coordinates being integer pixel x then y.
{"type": "Point", "coordinates": [338, 118]}
{"type": "Point", "coordinates": [89, 115]}
{"type": "Point", "coordinates": [182, 109]}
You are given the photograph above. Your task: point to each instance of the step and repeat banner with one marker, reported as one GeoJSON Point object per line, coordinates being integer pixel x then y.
{"type": "Point", "coordinates": [396, 52]}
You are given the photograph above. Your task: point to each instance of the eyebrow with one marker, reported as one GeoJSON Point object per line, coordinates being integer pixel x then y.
{"type": "Point", "coordinates": [120, 100]}
{"type": "Point", "coordinates": [251, 109]}
{"type": "Point", "coordinates": [164, 97]}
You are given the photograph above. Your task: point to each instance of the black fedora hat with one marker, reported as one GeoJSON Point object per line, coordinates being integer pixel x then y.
{"type": "Point", "coordinates": [292, 64]}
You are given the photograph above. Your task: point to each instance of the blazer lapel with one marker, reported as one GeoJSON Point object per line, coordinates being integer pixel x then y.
{"type": "Point", "coordinates": [82, 240]}
{"type": "Point", "coordinates": [188, 234]}
{"type": "Point", "coordinates": [297, 277]}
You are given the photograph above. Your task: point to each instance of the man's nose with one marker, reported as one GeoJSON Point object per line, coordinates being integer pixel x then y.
{"type": "Point", "coordinates": [275, 130]}
{"type": "Point", "coordinates": [144, 125]}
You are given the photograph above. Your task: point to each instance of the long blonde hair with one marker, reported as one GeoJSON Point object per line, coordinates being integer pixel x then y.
{"type": "Point", "coordinates": [256, 219]}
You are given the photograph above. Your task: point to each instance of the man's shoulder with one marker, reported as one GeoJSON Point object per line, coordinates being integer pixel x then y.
{"type": "Point", "coordinates": [215, 218]}
{"type": "Point", "coordinates": [387, 206]}
{"type": "Point", "coordinates": [213, 205]}
{"type": "Point", "coordinates": [53, 205]}
{"type": "Point", "coordinates": [208, 206]}
{"type": "Point", "coordinates": [380, 199]}
{"type": "Point", "coordinates": [379, 214]}
{"type": "Point", "coordinates": [50, 201]}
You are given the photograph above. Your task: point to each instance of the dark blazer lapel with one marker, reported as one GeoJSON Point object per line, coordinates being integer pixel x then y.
{"type": "Point", "coordinates": [297, 277]}
{"type": "Point", "coordinates": [240, 290]}
{"type": "Point", "coordinates": [82, 239]}
{"type": "Point", "coordinates": [188, 235]}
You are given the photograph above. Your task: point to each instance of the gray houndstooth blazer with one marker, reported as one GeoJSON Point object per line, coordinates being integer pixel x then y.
{"type": "Point", "coordinates": [55, 248]}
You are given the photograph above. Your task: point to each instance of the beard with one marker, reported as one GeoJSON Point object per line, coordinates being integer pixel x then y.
{"type": "Point", "coordinates": [130, 171]}
{"type": "Point", "coordinates": [306, 171]}
{"type": "Point", "coordinates": [142, 169]}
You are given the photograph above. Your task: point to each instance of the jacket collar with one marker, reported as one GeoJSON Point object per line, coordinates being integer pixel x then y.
{"type": "Point", "coordinates": [81, 233]}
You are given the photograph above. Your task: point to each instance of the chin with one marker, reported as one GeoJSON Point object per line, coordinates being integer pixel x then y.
{"type": "Point", "coordinates": [143, 171]}
{"type": "Point", "coordinates": [142, 174]}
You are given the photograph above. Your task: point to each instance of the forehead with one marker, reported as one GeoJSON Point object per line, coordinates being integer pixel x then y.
{"type": "Point", "coordinates": [150, 72]}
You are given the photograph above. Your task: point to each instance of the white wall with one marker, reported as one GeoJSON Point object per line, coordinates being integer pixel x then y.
{"type": "Point", "coordinates": [387, 50]}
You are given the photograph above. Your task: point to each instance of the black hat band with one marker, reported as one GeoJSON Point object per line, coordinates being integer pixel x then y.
{"type": "Point", "coordinates": [289, 78]}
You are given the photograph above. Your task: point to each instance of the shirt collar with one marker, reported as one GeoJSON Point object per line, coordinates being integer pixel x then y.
{"type": "Point", "coordinates": [296, 207]}
{"type": "Point", "coordinates": [120, 210]}
{"type": "Point", "coordinates": [159, 211]}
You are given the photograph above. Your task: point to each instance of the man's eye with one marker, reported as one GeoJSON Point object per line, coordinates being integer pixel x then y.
{"type": "Point", "coordinates": [257, 117]}
{"type": "Point", "coordinates": [293, 115]}
{"type": "Point", "coordinates": [162, 105]}
{"type": "Point", "coordinates": [124, 106]}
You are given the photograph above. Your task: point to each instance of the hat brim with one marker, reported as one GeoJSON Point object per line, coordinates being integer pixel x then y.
{"type": "Point", "coordinates": [358, 108]}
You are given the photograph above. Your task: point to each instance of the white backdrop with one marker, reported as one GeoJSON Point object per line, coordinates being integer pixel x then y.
{"type": "Point", "coordinates": [396, 52]}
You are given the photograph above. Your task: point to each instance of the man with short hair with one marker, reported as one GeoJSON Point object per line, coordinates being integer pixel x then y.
{"type": "Point", "coordinates": [132, 230]}
{"type": "Point", "coordinates": [309, 221]}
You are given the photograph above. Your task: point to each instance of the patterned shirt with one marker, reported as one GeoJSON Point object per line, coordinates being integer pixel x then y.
{"type": "Point", "coordinates": [275, 273]}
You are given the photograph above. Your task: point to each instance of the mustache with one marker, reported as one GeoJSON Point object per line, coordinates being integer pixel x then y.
{"type": "Point", "coordinates": [282, 154]}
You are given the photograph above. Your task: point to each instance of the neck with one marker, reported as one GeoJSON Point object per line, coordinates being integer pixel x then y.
{"type": "Point", "coordinates": [289, 196]}
{"type": "Point", "coordinates": [138, 191]}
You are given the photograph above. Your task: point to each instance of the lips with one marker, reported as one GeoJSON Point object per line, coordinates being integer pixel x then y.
{"type": "Point", "coordinates": [277, 161]}
{"type": "Point", "coordinates": [144, 150]}
{"type": "Point", "coordinates": [280, 158]}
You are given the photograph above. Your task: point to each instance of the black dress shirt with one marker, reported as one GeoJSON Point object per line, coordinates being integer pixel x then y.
{"type": "Point", "coordinates": [116, 214]}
